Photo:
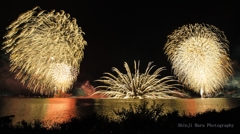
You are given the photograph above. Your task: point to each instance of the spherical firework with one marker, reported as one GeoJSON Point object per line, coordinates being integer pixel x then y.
{"type": "Point", "coordinates": [43, 46]}
{"type": "Point", "coordinates": [62, 75]}
{"type": "Point", "coordinates": [199, 57]}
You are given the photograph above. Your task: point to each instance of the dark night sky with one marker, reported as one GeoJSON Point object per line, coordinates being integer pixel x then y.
{"type": "Point", "coordinates": [128, 31]}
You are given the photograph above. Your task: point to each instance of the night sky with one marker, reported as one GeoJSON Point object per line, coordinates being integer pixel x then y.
{"type": "Point", "coordinates": [118, 32]}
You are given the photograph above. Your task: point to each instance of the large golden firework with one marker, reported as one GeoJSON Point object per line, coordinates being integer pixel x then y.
{"type": "Point", "coordinates": [45, 49]}
{"type": "Point", "coordinates": [199, 57]}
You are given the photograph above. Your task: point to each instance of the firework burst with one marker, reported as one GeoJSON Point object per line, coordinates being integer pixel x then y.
{"type": "Point", "coordinates": [62, 75]}
{"type": "Point", "coordinates": [45, 49]}
{"type": "Point", "coordinates": [199, 57]}
{"type": "Point", "coordinates": [139, 85]}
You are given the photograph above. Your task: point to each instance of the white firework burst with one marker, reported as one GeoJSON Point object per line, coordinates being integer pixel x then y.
{"type": "Point", "coordinates": [62, 75]}
{"type": "Point", "coordinates": [199, 57]}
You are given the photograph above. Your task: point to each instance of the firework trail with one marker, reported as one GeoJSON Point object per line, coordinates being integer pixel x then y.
{"type": "Point", "coordinates": [199, 57]}
{"type": "Point", "coordinates": [139, 85]}
{"type": "Point", "coordinates": [45, 49]}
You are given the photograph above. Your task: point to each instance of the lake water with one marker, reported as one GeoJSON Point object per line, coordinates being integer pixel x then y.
{"type": "Point", "coordinates": [62, 109]}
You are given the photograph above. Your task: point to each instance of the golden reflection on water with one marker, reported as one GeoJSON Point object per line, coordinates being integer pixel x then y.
{"type": "Point", "coordinates": [49, 110]}
{"type": "Point", "coordinates": [59, 110]}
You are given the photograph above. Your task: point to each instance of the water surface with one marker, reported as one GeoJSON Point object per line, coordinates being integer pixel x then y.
{"type": "Point", "coordinates": [62, 109]}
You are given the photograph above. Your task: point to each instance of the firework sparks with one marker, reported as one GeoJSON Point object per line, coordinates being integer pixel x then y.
{"type": "Point", "coordinates": [199, 57]}
{"type": "Point", "coordinates": [62, 75]}
{"type": "Point", "coordinates": [43, 46]}
{"type": "Point", "coordinates": [139, 85]}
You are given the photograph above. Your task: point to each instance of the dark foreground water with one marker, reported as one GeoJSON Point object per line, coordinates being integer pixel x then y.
{"type": "Point", "coordinates": [62, 109]}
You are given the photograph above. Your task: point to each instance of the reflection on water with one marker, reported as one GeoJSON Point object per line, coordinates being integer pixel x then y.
{"type": "Point", "coordinates": [59, 110]}
{"type": "Point", "coordinates": [62, 109]}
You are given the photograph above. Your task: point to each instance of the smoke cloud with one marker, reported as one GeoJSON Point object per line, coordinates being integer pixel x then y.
{"type": "Point", "coordinates": [234, 81]}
